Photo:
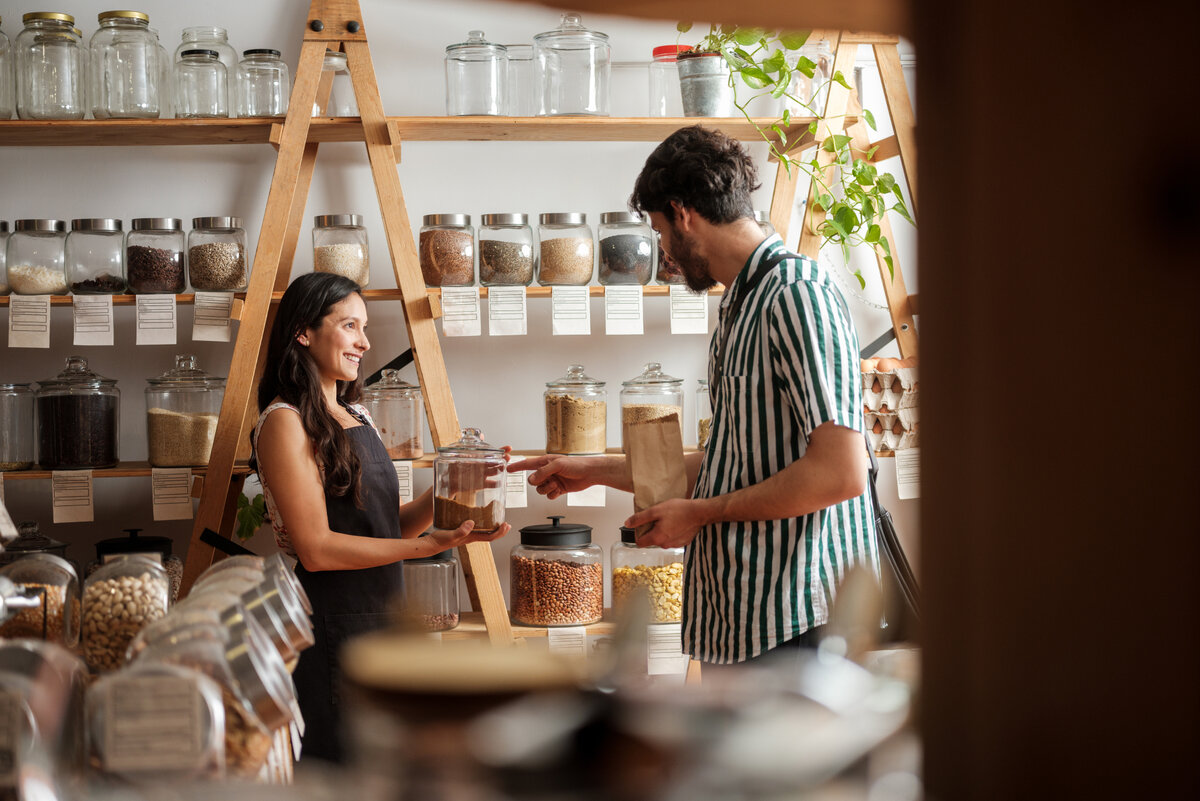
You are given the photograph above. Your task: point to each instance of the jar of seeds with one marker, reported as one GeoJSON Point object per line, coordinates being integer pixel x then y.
{"type": "Point", "coordinates": [566, 249]}
{"type": "Point", "coordinates": [96, 257]}
{"type": "Point", "coordinates": [576, 414]}
{"type": "Point", "coordinates": [36, 258]}
{"type": "Point", "coordinates": [119, 600]}
{"type": "Point", "coordinates": [340, 246]}
{"type": "Point", "coordinates": [217, 255]}
{"type": "Point", "coordinates": [182, 406]}
{"type": "Point", "coordinates": [154, 256]}
{"type": "Point", "coordinates": [652, 574]}
{"type": "Point", "coordinates": [447, 244]}
{"type": "Point", "coordinates": [557, 576]}
{"type": "Point", "coordinates": [626, 249]}
{"type": "Point", "coordinates": [77, 417]}
{"type": "Point", "coordinates": [505, 250]}
{"type": "Point", "coordinates": [650, 396]}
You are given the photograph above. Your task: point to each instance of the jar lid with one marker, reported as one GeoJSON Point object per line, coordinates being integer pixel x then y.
{"type": "Point", "coordinates": [471, 445]}
{"type": "Point", "coordinates": [41, 225]}
{"type": "Point", "coordinates": [159, 223]}
{"type": "Point", "coordinates": [328, 220]}
{"type": "Point", "coordinates": [96, 224]}
{"type": "Point", "coordinates": [15, 388]}
{"type": "Point", "coordinates": [335, 55]}
{"type": "Point", "coordinates": [703, 382]}
{"type": "Point", "coordinates": [30, 539]}
{"type": "Point", "coordinates": [76, 374]}
{"type": "Point", "coordinates": [3, 226]}
{"type": "Point", "coordinates": [53, 15]}
{"type": "Point", "coordinates": [610, 217]}
{"type": "Point", "coordinates": [186, 374]}
{"type": "Point", "coordinates": [197, 32]}
{"type": "Point", "coordinates": [653, 374]}
{"type": "Point", "coordinates": [261, 51]}
{"type": "Point", "coordinates": [563, 535]}
{"type": "Point", "coordinates": [216, 222]}
{"type": "Point", "coordinates": [762, 216]}
{"type": "Point", "coordinates": [391, 382]}
{"type": "Point", "coordinates": [205, 53]}
{"type": "Point", "coordinates": [133, 544]}
{"type": "Point", "coordinates": [137, 16]}
{"type": "Point", "coordinates": [475, 48]}
{"type": "Point", "coordinates": [563, 218]}
{"type": "Point", "coordinates": [668, 50]}
{"type": "Point", "coordinates": [571, 32]}
{"type": "Point", "coordinates": [506, 219]}
{"type": "Point", "coordinates": [629, 535]}
{"type": "Point", "coordinates": [447, 219]}
{"type": "Point", "coordinates": [575, 377]}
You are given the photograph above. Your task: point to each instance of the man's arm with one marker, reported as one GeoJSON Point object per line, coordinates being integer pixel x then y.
{"type": "Point", "coordinates": [557, 475]}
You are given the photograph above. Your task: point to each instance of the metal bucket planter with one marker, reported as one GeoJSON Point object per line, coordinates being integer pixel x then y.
{"type": "Point", "coordinates": [704, 83]}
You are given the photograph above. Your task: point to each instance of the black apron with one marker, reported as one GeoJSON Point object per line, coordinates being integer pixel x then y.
{"type": "Point", "coordinates": [347, 602]}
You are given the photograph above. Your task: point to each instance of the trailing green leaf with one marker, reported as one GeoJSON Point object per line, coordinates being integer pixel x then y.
{"type": "Point", "coordinates": [839, 78]}
{"type": "Point", "coordinates": [869, 117]}
{"type": "Point", "coordinates": [251, 514]}
{"type": "Point", "coordinates": [794, 40]}
{"type": "Point", "coordinates": [806, 66]}
{"type": "Point", "coordinates": [872, 234]}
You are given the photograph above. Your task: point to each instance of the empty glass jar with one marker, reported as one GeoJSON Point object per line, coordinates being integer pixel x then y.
{"type": "Point", "coordinates": [703, 414]}
{"type": "Point", "coordinates": [523, 91]}
{"type": "Point", "coordinates": [54, 582]}
{"type": "Point", "coordinates": [476, 77]}
{"type": "Point", "coordinates": [342, 102]}
{"type": "Point", "coordinates": [201, 85]}
{"type": "Point", "coordinates": [182, 406]}
{"type": "Point", "coordinates": [154, 256]}
{"type": "Point", "coordinates": [340, 246]}
{"type": "Point", "coordinates": [556, 576]}
{"type": "Point", "coordinates": [16, 427]}
{"type": "Point", "coordinates": [650, 396]}
{"type": "Point", "coordinates": [447, 245]}
{"type": "Point", "coordinates": [468, 484]}
{"type": "Point", "coordinates": [431, 591]}
{"type": "Point", "coordinates": [95, 257]}
{"type": "Point", "coordinates": [263, 84]}
{"type": "Point", "coordinates": [211, 37]}
{"type": "Point", "coordinates": [576, 413]}
{"type": "Point", "coordinates": [36, 258]}
{"type": "Point", "coordinates": [124, 67]}
{"type": "Point", "coordinates": [8, 100]}
{"type": "Point", "coordinates": [665, 98]}
{"type": "Point", "coordinates": [626, 249]}
{"type": "Point", "coordinates": [505, 250]}
{"type": "Point", "coordinates": [50, 73]}
{"type": "Point", "coordinates": [78, 413]}
{"type": "Point", "coordinates": [4, 290]}
{"type": "Point", "coordinates": [573, 65]}
{"type": "Point", "coordinates": [649, 573]}
{"type": "Point", "coordinates": [566, 249]}
{"type": "Point", "coordinates": [216, 259]}
{"type": "Point", "coordinates": [395, 406]}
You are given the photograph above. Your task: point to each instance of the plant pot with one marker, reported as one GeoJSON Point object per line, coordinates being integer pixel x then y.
{"type": "Point", "coordinates": [705, 85]}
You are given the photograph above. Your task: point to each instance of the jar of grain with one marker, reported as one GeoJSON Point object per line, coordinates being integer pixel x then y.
{"type": "Point", "coordinates": [36, 258]}
{"type": "Point", "coordinates": [649, 574]}
{"type": "Point", "coordinates": [468, 484]}
{"type": "Point", "coordinates": [626, 249]}
{"type": "Point", "coordinates": [77, 419]}
{"type": "Point", "coordinates": [217, 255]}
{"type": "Point", "coordinates": [399, 414]}
{"type": "Point", "coordinates": [182, 406]}
{"type": "Point", "coordinates": [431, 591]}
{"type": "Point", "coordinates": [576, 413]}
{"type": "Point", "coordinates": [340, 246]}
{"type": "Point", "coordinates": [447, 244]}
{"type": "Point", "coordinates": [95, 257]}
{"type": "Point", "coordinates": [54, 582]}
{"type": "Point", "coordinates": [119, 600]}
{"type": "Point", "coordinates": [566, 249]}
{"type": "Point", "coordinates": [703, 414]}
{"type": "Point", "coordinates": [157, 549]}
{"type": "Point", "coordinates": [16, 427]}
{"type": "Point", "coordinates": [557, 576]}
{"type": "Point", "coordinates": [154, 256]}
{"type": "Point", "coordinates": [650, 396]}
{"type": "Point", "coordinates": [505, 250]}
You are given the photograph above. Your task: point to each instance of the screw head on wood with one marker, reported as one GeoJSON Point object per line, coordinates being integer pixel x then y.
{"type": "Point", "coordinates": [317, 25]}
{"type": "Point", "coordinates": [353, 26]}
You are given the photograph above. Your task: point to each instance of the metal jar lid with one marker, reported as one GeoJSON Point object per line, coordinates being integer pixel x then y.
{"type": "Point", "coordinates": [653, 374]}
{"type": "Point", "coordinates": [288, 576]}
{"type": "Point", "coordinates": [107, 224]}
{"type": "Point", "coordinates": [76, 375]}
{"type": "Point", "coordinates": [186, 375]}
{"type": "Point", "coordinates": [560, 535]}
{"type": "Point", "coordinates": [505, 219]}
{"type": "Point", "coordinates": [16, 388]}
{"type": "Point", "coordinates": [563, 218]}
{"type": "Point", "coordinates": [40, 225]}
{"type": "Point", "coordinates": [330, 220]}
{"type": "Point", "coordinates": [621, 218]}
{"type": "Point", "coordinates": [460, 220]}
{"type": "Point", "coordinates": [213, 54]}
{"type": "Point", "coordinates": [575, 377]}
{"type": "Point", "coordinates": [390, 384]}
{"type": "Point", "coordinates": [132, 16]}
{"type": "Point", "coordinates": [50, 15]}
{"type": "Point", "coordinates": [261, 51]}
{"type": "Point", "coordinates": [158, 223]}
{"type": "Point", "coordinates": [217, 222]}
{"type": "Point", "coordinates": [476, 48]}
{"type": "Point", "coordinates": [252, 660]}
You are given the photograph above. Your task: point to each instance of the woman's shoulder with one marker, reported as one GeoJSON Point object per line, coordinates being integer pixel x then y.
{"type": "Point", "coordinates": [285, 422]}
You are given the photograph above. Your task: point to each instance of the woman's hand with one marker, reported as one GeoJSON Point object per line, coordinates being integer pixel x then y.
{"type": "Point", "coordinates": [465, 535]}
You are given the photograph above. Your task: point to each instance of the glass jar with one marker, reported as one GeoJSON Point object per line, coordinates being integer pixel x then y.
{"type": "Point", "coordinates": [447, 250]}
{"type": "Point", "coordinates": [54, 582]}
{"type": "Point", "coordinates": [154, 256]}
{"type": "Point", "coordinates": [650, 572]}
{"type": "Point", "coordinates": [8, 100]}
{"type": "Point", "coordinates": [665, 97]}
{"type": "Point", "coordinates": [476, 77]}
{"type": "Point", "coordinates": [505, 250]}
{"type": "Point", "coordinates": [211, 37]}
{"type": "Point", "coordinates": [342, 102]}
{"type": "Point", "coordinates": [4, 290]}
{"type": "Point", "coordinates": [468, 484]}
{"type": "Point", "coordinates": [95, 257]}
{"type": "Point", "coordinates": [36, 258]}
{"type": "Point", "coordinates": [431, 591]}
{"type": "Point", "coordinates": [261, 675]}
{"type": "Point", "coordinates": [276, 597]}
{"type": "Point", "coordinates": [626, 249]}
{"type": "Point", "coordinates": [16, 428]}
{"type": "Point", "coordinates": [650, 396]}
{"type": "Point", "coordinates": [119, 600]}
{"type": "Point", "coordinates": [158, 549]}
{"type": "Point", "coordinates": [182, 406]}
{"type": "Point", "coordinates": [523, 91]}
{"type": "Point", "coordinates": [576, 414]}
{"type": "Point", "coordinates": [49, 66]}
{"type": "Point", "coordinates": [78, 413]}
{"type": "Point", "coordinates": [263, 84]}
{"type": "Point", "coordinates": [216, 258]}
{"type": "Point", "coordinates": [395, 406]}
{"type": "Point", "coordinates": [566, 249]}
{"type": "Point", "coordinates": [815, 90]}
{"type": "Point", "coordinates": [166, 110]}
{"type": "Point", "coordinates": [30, 540]}
{"type": "Point", "coordinates": [124, 68]}
{"type": "Point", "coordinates": [286, 574]}
{"type": "Point", "coordinates": [703, 414]}
{"type": "Point", "coordinates": [668, 270]}
{"type": "Point", "coordinates": [557, 576]}
{"type": "Point", "coordinates": [573, 65]}
{"type": "Point", "coordinates": [201, 85]}
{"type": "Point", "coordinates": [340, 246]}
{"type": "Point", "coordinates": [763, 218]}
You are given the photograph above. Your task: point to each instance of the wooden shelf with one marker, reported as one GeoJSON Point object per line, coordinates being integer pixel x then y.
{"type": "Point", "coordinates": [470, 626]}
{"type": "Point", "coordinates": [122, 470]}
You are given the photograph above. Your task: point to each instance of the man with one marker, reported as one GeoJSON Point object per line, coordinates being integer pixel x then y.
{"type": "Point", "coordinates": [778, 512]}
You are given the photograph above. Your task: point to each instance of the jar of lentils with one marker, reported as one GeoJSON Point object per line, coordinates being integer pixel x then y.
{"type": "Point", "coordinates": [557, 576]}
{"type": "Point", "coordinates": [217, 255]}
{"type": "Point", "coordinates": [36, 260]}
{"type": "Point", "coordinates": [447, 244]}
{"type": "Point", "coordinates": [340, 246]}
{"type": "Point", "coordinates": [505, 250]}
{"type": "Point", "coordinates": [154, 256]}
{"type": "Point", "coordinates": [566, 249]}
{"type": "Point", "coordinates": [95, 254]}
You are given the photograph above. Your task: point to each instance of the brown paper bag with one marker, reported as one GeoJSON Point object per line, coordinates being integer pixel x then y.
{"type": "Point", "coordinates": [656, 463]}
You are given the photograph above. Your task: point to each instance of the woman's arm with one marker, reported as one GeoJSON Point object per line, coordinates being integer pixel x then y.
{"type": "Point", "coordinates": [416, 516]}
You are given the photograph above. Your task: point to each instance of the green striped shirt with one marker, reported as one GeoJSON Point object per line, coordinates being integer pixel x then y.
{"type": "Point", "coordinates": [790, 364]}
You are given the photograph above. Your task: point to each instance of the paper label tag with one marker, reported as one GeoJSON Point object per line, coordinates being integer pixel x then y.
{"type": "Point", "coordinates": [156, 319]}
{"type": "Point", "coordinates": [623, 310]}
{"type": "Point", "coordinates": [171, 493]}
{"type": "Point", "coordinates": [516, 490]}
{"type": "Point", "coordinates": [93, 319]}
{"type": "Point", "coordinates": [570, 310]}
{"type": "Point", "coordinates": [153, 723]}
{"type": "Point", "coordinates": [460, 311]}
{"type": "Point", "coordinates": [664, 650]}
{"type": "Point", "coordinates": [507, 311]}
{"type": "Point", "coordinates": [71, 493]}
{"type": "Point", "coordinates": [210, 317]}
{"type": "Point", "coordinates": [29, 321]}
{"type": "Point", "coordinates": [567, 640]}
{"type": "Point", "coordinates": [908, 474]}
{"type": "Point", "coordinates": [10, 729]}
{"type": "Point", "coordinates": [592, 496]}
{"type": "Point", "coordinates": [689, 311]}
{"type": "Point", "coordinates": [404, 477]}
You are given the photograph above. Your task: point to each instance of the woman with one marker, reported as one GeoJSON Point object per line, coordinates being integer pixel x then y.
{"type": "Point", "coordinates": [330, 487]}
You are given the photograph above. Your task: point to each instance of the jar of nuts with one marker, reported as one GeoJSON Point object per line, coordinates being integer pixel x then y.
{"type": "Point", "coordinates": [119, 600]}
{"type": "Point", "coordinates": [557, 576]}
{"type": "Point", "coordinates": [55, 584]}
{"type": "Point", "coordinates": [431, 591]}
{"type": "Point", "coordinates": [652, 575]}
{"type": "Point", "coordinates": [160, 549]}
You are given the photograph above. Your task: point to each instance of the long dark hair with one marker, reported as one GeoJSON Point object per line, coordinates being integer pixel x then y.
{"type": "Point", "coordinates": [291, 374]}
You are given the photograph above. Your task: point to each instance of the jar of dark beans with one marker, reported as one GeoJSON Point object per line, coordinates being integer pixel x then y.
{"type": "Point", "coordinates": [626, 249]}
{"type": "Point", "coordinates": [96, 257]}
{"type": "Point", "coordinates": [154, 256]}
{"type": "Point", "coordinates": [217, 255]}
{"type": "Point", "coordinates": [566, 249]}
{"type": "Point", "coordinates": [557, 576]}
{"type": "Point", "coordinates": [447, 244]}
{"type": "Point", "coordinates": [77, 419]}
{"type": "Point", "coordinates": [505, 250]}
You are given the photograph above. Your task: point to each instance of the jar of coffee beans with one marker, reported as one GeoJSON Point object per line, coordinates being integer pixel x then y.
{"type": "Point", "coordinates": [77, 419]}
{"type": "Point", "coordinates": [217, 255]}
{"type": "Point", "coordinates": [154, 256]}
{"type": "Point", "coordinates": [557, 576]}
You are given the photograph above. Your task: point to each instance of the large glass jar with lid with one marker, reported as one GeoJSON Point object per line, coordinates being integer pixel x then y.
{"type": "Point", "coordinates": [556, 576]}
{"type": "Point", "coordinates": [340, 246]}
{"type": "Point", "coordinates": [576, 413]}
{"type": "Point", "coordinates": [573, 66]}
{"type": "Point", "coordinates": [50, 72]}
{"type": "Point", "coordinates": [154, 256]}
{"type": "Point", "coordinates": [16, 427]}
{"type": "Point", "coordinates": [119, 600]}
{"type": "Point", "coordinates": [182, 406]}
{"type": "Point", "coordinates": [30, 540]}
{"type": "Point", "coordinates": [124, 68]}
{"type": "Point", "coordinates": [342, 102]}
{"type": "Point", "coordinates": [158, 549]}
{"type": "Point", "coordinates": [524, 94]}
{"type": "Point", "coordinates": [468, 484]}
{"type": "Point", "coordinates": [476, 77]}
{"type": "Point", "coordinates": [54, 582]}
{"type": "Point", "coordinates": [447, 245]}
{"type": "Point", "coordinates": [201, 85]}
{"type": "Point", "coordinates": [263, 84]}
{"type": "Point", "coordinates": [703, 414]}
{"type": "Point", "coordinates": [813, 91]}
{"type": "Point", "coordinates": [95, 256]}
{"type": "Point", "coordinates": [505, 250]}
{"type": "Point", "coordinates": [78, 413]}
{"type": "Point", "coordinates": [36, 258]}
{"type": "Point", "coordinates": [650, 573]}
{"type": "Point", "coordinates": [431, 591]}
{"type": "Point", "coordinates": [566, 249]}
{"type": "Point", "coordinates": [4, 290]}
{"type": "Point", "coordinates": [650, 396]}
{"type": "Point", "coordinates": [211, 37]}
{"type": "Point", "coordinates": [8, 100]}
{"type": "Point", "coordinates": [626, 249]}
{"type": "Point", "coordinates": [399, 414]}
{"type": "Point", "coordinates": [216, 257]}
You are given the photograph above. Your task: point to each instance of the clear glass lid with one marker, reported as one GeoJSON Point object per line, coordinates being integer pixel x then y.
{"type": "Point", "coordinates": [471, 446]}
{"type": "Point", "coordinates": [653, 375]}
{"type": "Point", "coordinates": [571, 35]}
{"type": "Point", "coordinates": [391, 384]}
{"type": "Point", "coordinates": [476, 48]}
{"type": "Point", "coordinates": [186, 374]}
{"type": "Point", "coordinates": [575, 377]}
{"type": "Point", "coordinates": [76, 375]}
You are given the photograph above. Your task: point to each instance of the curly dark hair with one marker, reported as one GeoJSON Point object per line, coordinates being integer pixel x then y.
{"type": "Point", "coordinates": [701, 169]}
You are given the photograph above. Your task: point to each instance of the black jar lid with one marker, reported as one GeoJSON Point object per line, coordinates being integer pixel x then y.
{"type": "Point", "coordinates": [30, 539]}
{"type": "Point", "coordinates": [557, 534]}
{"type": "Point", "coordinates": [261, 51]}
{"type": "Point", "coordinates": [133, 544]}
{"type": "Point", "coordinates": [628, 535]}
{"type": "Point", "coordinates": [200, 52]}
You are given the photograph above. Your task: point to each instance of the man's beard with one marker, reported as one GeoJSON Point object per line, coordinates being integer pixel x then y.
{"type": "Point", "coordinates": [694, 267]}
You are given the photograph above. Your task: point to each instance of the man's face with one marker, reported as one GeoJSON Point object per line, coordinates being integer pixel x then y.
{"type": "Point", "coordinates": [683, 251]}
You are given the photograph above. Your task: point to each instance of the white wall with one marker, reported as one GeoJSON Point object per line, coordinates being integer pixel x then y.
{"type": "Point", "coordinates": [497, 382]}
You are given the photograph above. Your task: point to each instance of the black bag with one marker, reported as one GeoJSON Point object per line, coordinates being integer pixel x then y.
{"type": "Point", "coordinates": [901, 595]}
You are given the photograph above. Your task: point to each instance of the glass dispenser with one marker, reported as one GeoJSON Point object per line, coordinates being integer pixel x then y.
{"type": "Point", "coordinates": [95, 257]}
{"type": "Point", "coordinates": [576, 414]}
{"type": "Point", "coordinates": [468, 484]}
{"type": "Point", "coordinates": [395, 406]}
{"type": "Point", "coordinates": [119, 600]}
{"type": "Point", "coordinates": [557, 576]}
{"type": "Point", "coordinates": [54, 582]}
{"type": "Point", "coordinates": [655, 574]}
{"type": "Point", "coordinates": [431, 591]}
{"type": "Point", "coordinates": [476, 77]}
{"type": "Point", "coordinates": [78, 413]}
{"type": "Point", "coordinates": [182, 406]}
{"type": "Point", "coordinates": [650, 396]}
{"type": "Point", "coordinates": [573, 66]}
{"type": "Point", "coordinates": [16, 427]}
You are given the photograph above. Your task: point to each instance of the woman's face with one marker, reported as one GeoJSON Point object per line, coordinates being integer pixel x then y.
{"type": "Point", "coordinates": [338, 343]}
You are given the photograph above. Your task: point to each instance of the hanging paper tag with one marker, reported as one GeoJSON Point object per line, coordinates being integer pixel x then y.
{"type": "Point", "coordinates": [516, 486]}
{"type": "Point", "coordinates": [156, 319]}
{"type": "Point", "coordinates": [93, 319]}
{"type": "Point", "coordinates": [664, 650]}
{"type": "Point", "coordinates": [153, 723]}
{"type": "Point", "coordinates": [460, 311]}
{"type": "Point", "coordinates": [507, 312]}
{"type": "Point", "coordinates": [908, 474]}
{"type": "Point", "coordinates": [210, 317]}
{"type": "Point", "coordinates": [71, 493]}
{"type": "Point", "coordinates": [567, 640]}
{"type": "Point", "coordinates": [570, 310]}
{"type": "Point", "coordinates": [404, 477]}
{"type": "Point", "coordinates": [689, 311]}
{"type": "Point", "coordinates": [29, 321]}
{"type": "Point", "coordinates": [171, 494]}
{"type": "Point", "coordinates": [592, 496]}
{"type": "Point", "coordinates": [623, 310]}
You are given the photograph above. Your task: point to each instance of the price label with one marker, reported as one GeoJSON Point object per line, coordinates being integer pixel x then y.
{"type": "Point", "coordinates": [664, 650]}
{"type": "Point", "coordinates": [689, 311]}
{"type": "Point", "coordinates": [404, 477]}
{"type": "Point", "coordinates": [156, 319]}
{"type": "Point", "coordinates": [93, 319]}
{"type": "Point", "coordinates": [567, 640]}
{"type": "Point", "coordinates": [460, 311]}
{"type": "Point", "coordinates": [210, 317]}
{"type": "Point", "coordinates": [153, 723]}
{"type": "Point", "coordinates": [71, 495]}
{"type": "Point", "coordinates": [570, 311]}
{"type": "Point", "coordinates": [623, 310]}
{"type": "Point", "coordinates": [507, 311]}
{"type": "Point", "coordinates": [516, 490]}
{"type": "Point", "coordinates": [170, 492]}
{"type": "Point", "coordinates": [908, 474]}
{"type": "Point", "coordinates": [29, 321]}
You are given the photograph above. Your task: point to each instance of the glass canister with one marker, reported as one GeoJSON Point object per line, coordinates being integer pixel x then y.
{"type": "Point", "coordinates": [340, 246]}
{"type": "Point", "coordinates": [216, 258]}
{"type": "Point", "coordinates": [655, 574]}
{"type": "Point", "coordinates": [523, 91]}
{"type": "Point", "coordinates": [566, 249]}
{"type": "Point", "coordinates": [626, 249]}
{"type": "Point", "coordinates": [182, 406]}
{"type": "Point", "coordinates": [8, 100]}
{"type": "Point", "coordinates": [650, 396]}
{"type": "Point", "coordinates": [4, 290]}
{"type": "Point", "coordinates": [468, 484]}
{"type": "Point", "coordinates": [573, 65]}
{"type": "Point", "coordinates": [342, 102]}
{"type": "Point", "coordinates": [78, 413]}
{"type": "Point", "coordinates": [399, 414]}
{"type": "Point", "coordinates": [447, 244]}
{"type": "Point", "coordinates": [431, 591]}
{"type": "Point", "coordinates": [505, 250]}
{"type": "Point", "coordinates": [95, 257]}
{"type": "Point", "coordinates": [264, 84]}
{"type": "Point", "coordinates": [158, 549]}
{"type": "Point", "coordinates": [50, 72]}
{"type": "Point", "coordinates": [557, 576]}
{"type": "Point", "coordinates": [811, 91]}
{"type": "Point", "coordinates": [124, 68]}
{"type": "Point", "coordinates": [154, 256]}
{"type": "Point", "coordinates": [211, 37]}
{"type": "Point", "coordinates": [16, 427]}
{"type": "Point", "coordinates": [201, 85]}
{"type": "Point", "coordinates": [30, 540]}
{"type": "Point", "coordinates": [703, 414]}
{"type": "Point", "coordinates": [119, 600]}
{"type": "Point", "coordinates": [476, 77]}
{"type": "Point", "coordinates": [763, 218]}
{"type": "Point", "coordinates": [576, 413]}
{"type": "Point", "coordinates": [36, 258]}
{"type": "Point", "coordinates": [54, 582]}
{"type": "Point", "coordinates": [665, 97]}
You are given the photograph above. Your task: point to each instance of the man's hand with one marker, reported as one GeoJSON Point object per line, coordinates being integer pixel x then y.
{"type": "Point", "coordinates": [555, 476]}
{"type": "Point", "coordinates": [676, 522]}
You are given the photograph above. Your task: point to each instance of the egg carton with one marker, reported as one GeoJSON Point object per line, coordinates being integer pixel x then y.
{"type": "Point", "coordinates": [893, 431]}
{"type": "Point", "coordinates": [890, 385]}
